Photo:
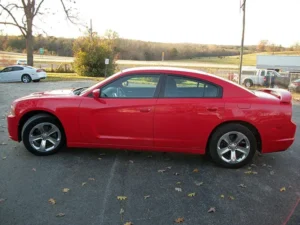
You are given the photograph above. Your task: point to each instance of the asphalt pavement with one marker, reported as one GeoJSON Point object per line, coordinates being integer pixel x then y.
{"type": "Point", "coordinates": [110, 187]}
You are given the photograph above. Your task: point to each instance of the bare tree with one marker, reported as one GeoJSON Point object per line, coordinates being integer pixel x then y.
{"type": "Point", "coordinates": [30, 9]}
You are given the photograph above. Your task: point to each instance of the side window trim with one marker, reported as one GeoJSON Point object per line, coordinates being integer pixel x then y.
{"type": "Point", "coordinates": [156, 93]}
{"type": "Point", "coordinates": [165, 76]}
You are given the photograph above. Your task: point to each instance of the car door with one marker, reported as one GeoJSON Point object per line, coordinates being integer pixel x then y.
{"type": "Point", "coordinates": [16, 73]}
{"type": "Point", "coordinates": [186, 113]}
{"type": "Point", "coordinates": [6, 74]}
{"type": "Point", "coordinates": [123, 115]}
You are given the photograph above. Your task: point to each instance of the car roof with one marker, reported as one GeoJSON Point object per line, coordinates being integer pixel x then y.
{"type": "Point", "coordinates": [167, 69]}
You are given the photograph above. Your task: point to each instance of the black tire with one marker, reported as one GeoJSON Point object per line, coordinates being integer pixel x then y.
{"type": "Point", "coordinates": [248, 83]}
{"type": "Point", "coordinates": [26, 78]}
{"type": "Point", "coordinates": [232, 127]}
{"type": "Point", "coordinates": [37, 80]}
{"type": "Point", "coordinates": [38, 119]}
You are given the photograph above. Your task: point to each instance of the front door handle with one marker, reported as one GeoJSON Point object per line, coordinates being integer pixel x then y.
{"type": "Point", "coordinates": [212, 109]}
{"type": "Point", "coordinates": [145, 110]}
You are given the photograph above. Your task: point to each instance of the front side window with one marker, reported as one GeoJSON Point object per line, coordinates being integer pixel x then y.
{"type": "Point", "coordinates": [184, 87]}
{"type": "Point", "coordinates": [132, 86]}
{"type": "Point", "coordinates": [7, 69]}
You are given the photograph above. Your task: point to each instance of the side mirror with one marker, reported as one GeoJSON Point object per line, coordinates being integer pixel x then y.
{"type": "Point", "coordinates": [96, 93]}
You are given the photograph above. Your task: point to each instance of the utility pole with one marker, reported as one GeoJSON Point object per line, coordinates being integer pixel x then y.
{"type": "Point", "coordinates": [243, 6]}
{"type": "Point", "coordinates": [91, 30]}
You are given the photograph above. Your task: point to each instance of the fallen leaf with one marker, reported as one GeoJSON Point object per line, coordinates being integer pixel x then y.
{"type": "Point", "coordinates": [131, 161]}
{"type": "Point", "coordinates": [242, 185]}
{"type": "Point", "coordinates": [176, 174]}
{"type": "Point", "coordinates": [169, 167]}
{"type": "Point", "coordinates": [128, 223]}
{"type": "Point", "coordinates": [52, 201]}
{"type": "Point", "coordinates": [282, 189]}
{"type": "Point", "coordinates": [179, 220]}
{"type": "Point", "coordinates": [195, 170]}
{"type": "Point", "coordinates": [92, 179]}
{"type": "Point", "coordinates": [121, 198]}
{"type": "Point", "coordinates": [2, 200]}
{"type": "Point", "coordinates": [161, 171]}
{"type": "Point", "coordinates": [122, 211]}
{"type": "Point", "coordinates": [34, 169]}
{"type": "Point", "coordinates": [60, 215]}
{"type": "Point", "coordinates": [4, 157]}
{"type": "Point", "coordinates": [249, 168]}
{"type": "Point", "coordinates": [269, 166]}
{"type": "Point", "coordinates": [178, 182]}
{"type": "Point", "coordinates": [231, 197]}
{"type": "Point", "coordinates": [250, 172]}
{"type": "Point", "coordinates": [253, 165]}
{"type": "Point", "coordinates": [66, 190]}
{"type": "Point", "coordinates": [102, 154]}
{"type": "Point", "coordinates": [178, 189]}
{"type": "Point", "coordinates": [212, 210]}
{"type": "Point", "coordinates": [99, 158]}
{"type": "Point", "coordinates": [192, 194]}
{"type": "Point", "coordinates": [264, 165]}
{"type": "Point", "coordinates": [198, 183]}
{"type": "Point", "coordinates": [149, 156]}
{"type": "Point", "coordinates": [146, 196]}
{"type": "Point", "coordinates": [3, 143]}
{"type": "Point", "coordinates": [272, 172]}
{"type": "Point", "coordinates": [83, 183]}
{"type": "Point", "coordinates": [222, 196]}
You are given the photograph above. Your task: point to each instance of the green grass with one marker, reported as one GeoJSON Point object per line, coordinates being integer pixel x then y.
{"type": "Point", "coordinates": [248, 59]}
{"type": "Point", "coordinates": [69, 77]}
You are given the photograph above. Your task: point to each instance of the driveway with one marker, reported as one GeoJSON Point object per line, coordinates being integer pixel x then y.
{"type": "Point", "coordinates": [153, 188]}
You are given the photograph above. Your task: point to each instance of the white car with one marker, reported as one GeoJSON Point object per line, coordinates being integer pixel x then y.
{"type": "Point", "coordinates": [26, 74]}
{"type": "Point", "coordinates": [22, 62]}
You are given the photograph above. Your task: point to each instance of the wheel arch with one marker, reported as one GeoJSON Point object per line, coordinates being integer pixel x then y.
{"type": "Point", "coordinates": [30, 114]}
{"type": "Point", "coordinates": [250, 126]}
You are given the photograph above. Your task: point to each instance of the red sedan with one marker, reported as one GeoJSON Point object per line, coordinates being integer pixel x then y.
{"type": "Point", "coordinates": [158, 109]}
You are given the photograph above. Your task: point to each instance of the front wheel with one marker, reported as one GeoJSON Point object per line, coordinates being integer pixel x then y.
{"type": "Point", "coordinates": [232, 146]}
{"type": "Point", "coordinates": [43, 135]}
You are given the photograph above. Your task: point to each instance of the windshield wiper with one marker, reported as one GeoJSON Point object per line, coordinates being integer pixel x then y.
{"type": "Point", "coordinates": [77, 91]}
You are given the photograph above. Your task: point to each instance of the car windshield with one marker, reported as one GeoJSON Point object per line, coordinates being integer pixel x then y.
{"type": "Point", "coordinates": [95, 85]}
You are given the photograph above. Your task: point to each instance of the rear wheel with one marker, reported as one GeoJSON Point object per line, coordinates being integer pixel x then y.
{"type": "Point", "coordinates": [43, 135]}
{"type": "Point", "coordinates": [248, 83]}
{"type": "Point", "coordinates": [232, 145]}
{"type": "Point", "coordinates": [26, 78]}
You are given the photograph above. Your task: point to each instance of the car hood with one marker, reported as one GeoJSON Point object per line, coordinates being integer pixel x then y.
{"type": "Point", "coordinates": [52, 93]}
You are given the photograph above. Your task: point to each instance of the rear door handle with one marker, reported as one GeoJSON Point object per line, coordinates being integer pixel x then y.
{"type": "Point", "coordinates": [145, 110]}
{"type": "Point", "coordinates": [212, 109]}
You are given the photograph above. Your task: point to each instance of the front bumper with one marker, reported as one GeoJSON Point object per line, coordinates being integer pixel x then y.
{"type": "Point", "coordinates": [12, 125]}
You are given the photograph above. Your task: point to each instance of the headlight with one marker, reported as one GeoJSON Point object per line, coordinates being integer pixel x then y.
{"type": "Point", "coordinates": [12, 110]}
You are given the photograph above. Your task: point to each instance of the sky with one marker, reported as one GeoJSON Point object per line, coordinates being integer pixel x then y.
{"type": "Point", "coordinates": [190, 21]}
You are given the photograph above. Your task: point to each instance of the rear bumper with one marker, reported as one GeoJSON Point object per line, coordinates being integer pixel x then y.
{"type": "Point", "coordinates": [279, 139]}
{"type": "Point", "coordinates": [12, 125]}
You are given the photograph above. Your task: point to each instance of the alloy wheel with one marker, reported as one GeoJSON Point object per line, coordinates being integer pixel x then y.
{"type": "Point", "coordinates": [44, 137]}
{"type": "Point", "coordinates": [233, 147]}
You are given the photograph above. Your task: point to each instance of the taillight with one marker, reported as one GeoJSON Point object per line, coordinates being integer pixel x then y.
{"type": "Point", "coordinates": [40, 70]}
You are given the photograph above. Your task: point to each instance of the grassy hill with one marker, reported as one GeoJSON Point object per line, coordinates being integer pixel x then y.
{"type": "Point", "coordinates": [248, 59]}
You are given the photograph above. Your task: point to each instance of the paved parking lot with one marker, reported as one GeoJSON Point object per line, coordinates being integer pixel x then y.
{"type": "Point", "coordinates": [95, 179]}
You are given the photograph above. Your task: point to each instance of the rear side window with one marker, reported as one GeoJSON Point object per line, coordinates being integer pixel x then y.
{"type": "Point", "coordinates": [7, 69]}
{"type": "Point", "coordinates": [17, 68]}
{"type": "Point", "coordinates": [185, 87]}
